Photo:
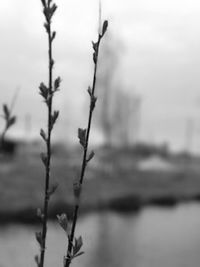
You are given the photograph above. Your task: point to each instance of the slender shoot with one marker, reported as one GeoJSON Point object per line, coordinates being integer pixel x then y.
{"type": "Point", "coordinates": [9, 121]}
{"type": "Point", "coordinates": [75, 244]}
{"type": "Point", "coordinates": [47, 93]}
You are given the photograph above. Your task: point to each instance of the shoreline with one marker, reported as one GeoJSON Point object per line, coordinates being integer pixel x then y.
{"type": "Point", "coordinates": [126, 205]}
{"type": "Point", "coordinates": [112, 183]}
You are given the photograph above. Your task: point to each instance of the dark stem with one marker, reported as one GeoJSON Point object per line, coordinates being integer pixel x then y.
{"type": "Point", "coordinates": [2, 139]}
{"type": "Point", "coordinates": [48, 146]}
{"type": "Point", "coordinates": [84, 161]}
{"type": "Point", "coordinates": [9, 121]}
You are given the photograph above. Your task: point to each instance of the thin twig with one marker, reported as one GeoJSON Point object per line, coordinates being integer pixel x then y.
{"type": "Point", "coordinates": [84, 135]}
{"type": "Point", "coordinates": [47, 93]}
{"type": "Point", "coordinates": [9, 121]}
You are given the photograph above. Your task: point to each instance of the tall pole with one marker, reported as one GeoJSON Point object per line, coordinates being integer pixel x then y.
{"type": "Point", "coordinates": [100, 17]}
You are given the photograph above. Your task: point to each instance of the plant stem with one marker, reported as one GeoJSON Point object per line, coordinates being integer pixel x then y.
{"type": "Point", "coordinates": [48, 146]}
{"type": "Point", "coordinates": [68, 258]}
{"type": "Point", "coordinates": [2, 139]}
{"type": "Point", "coordinates": [47, 92]}
{"type": "Point", "coordinates": [9, 121]}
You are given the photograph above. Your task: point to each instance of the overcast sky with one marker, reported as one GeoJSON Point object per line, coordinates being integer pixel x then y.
{"type": "Point", "coordinates": [160, 60]}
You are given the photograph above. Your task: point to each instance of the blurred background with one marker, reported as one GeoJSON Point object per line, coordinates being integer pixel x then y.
{"type": "Point", "coordinates": [140, 201]}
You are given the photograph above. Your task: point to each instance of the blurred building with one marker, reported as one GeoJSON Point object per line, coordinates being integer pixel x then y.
{"type": "Point", "coordinates": [118, 110]}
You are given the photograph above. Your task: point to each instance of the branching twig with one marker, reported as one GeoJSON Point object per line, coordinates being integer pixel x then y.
{"type": "Point", "coordinates": [75, 244]}
{"type": "Point", "coordinates": [8, 117]}
{"type": "Point", "coordinates": [9, 121]}
{"type": "Point", "coordinates": [47, 92]}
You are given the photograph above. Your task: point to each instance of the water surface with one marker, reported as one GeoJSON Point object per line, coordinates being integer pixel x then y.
{"type": "Point", "coordinates": [154, 237]}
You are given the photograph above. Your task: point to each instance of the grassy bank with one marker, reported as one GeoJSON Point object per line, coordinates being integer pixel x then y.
{"type": "Point", "coordinates": [112, 182]}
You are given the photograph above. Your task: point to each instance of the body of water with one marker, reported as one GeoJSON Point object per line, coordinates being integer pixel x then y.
{"type": "Point", "coordinates": [154, 237]}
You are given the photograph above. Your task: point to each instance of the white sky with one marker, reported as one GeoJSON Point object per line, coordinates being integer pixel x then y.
{"type": "Point", "coordinates": [161, 59]}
